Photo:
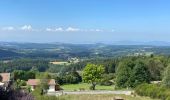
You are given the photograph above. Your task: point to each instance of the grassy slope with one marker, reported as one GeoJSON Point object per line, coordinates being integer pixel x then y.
{"type": "Point", "coordinates": [86, 86]}
{"type": "Point", "coordinates": [101, 97]}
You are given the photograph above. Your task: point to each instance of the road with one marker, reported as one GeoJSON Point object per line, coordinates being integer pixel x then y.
{"type": "Point", "coordinates": [89, 92]}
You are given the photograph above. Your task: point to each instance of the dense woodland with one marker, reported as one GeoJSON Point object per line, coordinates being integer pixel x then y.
{"type": "Point", "coordinates": [24, 64]}
{"type": "Point", "coordinates": [155, 65]}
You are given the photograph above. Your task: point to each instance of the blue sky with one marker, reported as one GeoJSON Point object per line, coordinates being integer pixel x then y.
{"type": "Point", "coordinates": [84, 21]}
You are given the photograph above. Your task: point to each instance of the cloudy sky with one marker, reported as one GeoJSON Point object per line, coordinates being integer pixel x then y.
{"type": "Point", "coordinates": [84, 21]}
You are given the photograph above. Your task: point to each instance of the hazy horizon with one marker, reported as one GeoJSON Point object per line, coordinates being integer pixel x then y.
{"type": "Point", "coordinates": [84, 21]}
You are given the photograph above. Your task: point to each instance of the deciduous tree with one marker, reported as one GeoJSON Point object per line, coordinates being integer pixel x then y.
{"type": "Point", "coordinates": [92, 74]}
{"type": "Point", "coordinates": [123, 73]}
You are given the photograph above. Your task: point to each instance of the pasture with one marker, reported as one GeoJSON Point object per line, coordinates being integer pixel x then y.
{"type": "Point", "coordinates": [85, 86]}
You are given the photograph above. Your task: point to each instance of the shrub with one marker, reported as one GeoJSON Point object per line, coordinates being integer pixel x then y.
{"type": "Point", "coordinates": [107, 79]}
{"type": "Point", "coordinates": [69, 78]}
{"type": "Point", "coordinates": [106, 83]}
{"type": "Point", "coordinates": [153, 91]}
{"type": "Point", "coordinates": [91, 88]}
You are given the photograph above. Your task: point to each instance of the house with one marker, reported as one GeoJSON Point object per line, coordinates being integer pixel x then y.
{"type": "Point", "coordinates": [5, 80]}
{"type": "Point", "coordinates": [35, 82]}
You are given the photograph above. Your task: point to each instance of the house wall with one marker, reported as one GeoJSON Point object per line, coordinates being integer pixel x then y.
{"type": "Point", "coordinates": [51, 88]}
{"type": "Point", "coordinates": [32, 88]}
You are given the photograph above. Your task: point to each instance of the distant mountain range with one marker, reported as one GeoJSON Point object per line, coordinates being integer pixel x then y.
{"type": "Point", "coordinates": [151, 43]}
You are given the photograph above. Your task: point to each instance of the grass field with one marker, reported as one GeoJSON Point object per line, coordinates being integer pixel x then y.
{"type": "Point", "coordinates": [73, 87]}
{"type": "Point", "coordinates": [101, 97]}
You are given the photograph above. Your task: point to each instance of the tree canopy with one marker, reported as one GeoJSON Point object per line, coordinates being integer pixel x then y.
{"type": "Point", "coordinates": [93, 74]}
{"type": "Point", "coordinates": [131, 73]}
{"type": "Point", "coordinates": [140, 74]}
{"type": "Point", "coordinates": [123, 73]}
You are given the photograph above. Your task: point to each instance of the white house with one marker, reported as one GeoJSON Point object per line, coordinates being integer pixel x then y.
{"type": "Point", "coordinates": [35, 82]}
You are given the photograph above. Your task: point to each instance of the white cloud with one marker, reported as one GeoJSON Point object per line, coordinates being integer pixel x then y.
{"type": "Point", "coordinates": [26, 28]}
{"type": "Point", "coordinates": [99, 30]}
{"type": "Point", "coordinates": [10, 28]}
{"type": "Point", "coordinates": [96, 30]}
{"type": "Point", "coordinates": [55, 29]}
{"type": "Point", "coordinates": [59, 29]}
{"type": "Point", "coordinates": [49, 29]}
{"type": "Point", "coordinates": [71, 29]}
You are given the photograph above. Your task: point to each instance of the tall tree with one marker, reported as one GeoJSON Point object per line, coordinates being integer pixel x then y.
{"type": "Point", "coordinates": [140, 74]}
{"type": "Point", "coordinates": [93, 74]}
{"type": "Point", "coordinates": [156, 68]}
{"type": "Point", "coordinates": [123, 73]}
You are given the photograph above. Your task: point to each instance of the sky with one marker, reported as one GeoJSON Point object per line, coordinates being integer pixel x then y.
{"type": "Point", "coordinates": [84, 21]}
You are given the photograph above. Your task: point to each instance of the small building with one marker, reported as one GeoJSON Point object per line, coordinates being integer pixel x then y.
{"type": "Point", "coordinates": [5, 81]}
{"type": "Point", "coordinates": [35, 82]}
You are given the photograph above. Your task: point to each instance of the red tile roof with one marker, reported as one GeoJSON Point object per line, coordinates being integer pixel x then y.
{"type": "Point", "coordinates": [5, 77]}
{"type": "Point", "coordinates": [37, 82]}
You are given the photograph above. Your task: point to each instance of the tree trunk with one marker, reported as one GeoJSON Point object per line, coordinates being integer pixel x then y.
{"type": "Point", "coordinates": [93, 86]}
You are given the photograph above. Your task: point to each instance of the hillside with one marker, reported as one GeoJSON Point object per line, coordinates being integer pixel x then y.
{"type": "Point", "coordinates": [8, 54]}
{"type": "Point", "coordinates": [65, 51]}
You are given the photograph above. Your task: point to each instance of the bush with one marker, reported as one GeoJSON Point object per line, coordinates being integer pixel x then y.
{"type": "Point", "coordinates": [91, 88]}
{"type": "Point", "coordinates": [19, 83]}
{"type": "Point", "coordinates": [69, 78]}
{"type": "Point", "coordinates": [106, 83]}
{"type": "Point", "coordinates": [107, 79]}
{"type": "Point", "coordinates": [23, 75]}
{"type": "Point", "coordinates": [153, 91]}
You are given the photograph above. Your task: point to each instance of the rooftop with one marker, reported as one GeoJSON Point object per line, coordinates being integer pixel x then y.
{"type": "Point", "coordinates": [37, 82]}
{"type": "Point", "coordinates": [5, 77]}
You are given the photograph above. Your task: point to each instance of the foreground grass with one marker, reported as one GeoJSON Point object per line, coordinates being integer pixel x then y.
{"type": "Point", "coordinates": [75, 87]}
{"type": "Point", "coordinates": [101, 97]}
